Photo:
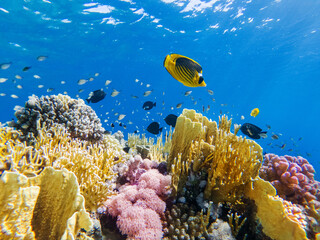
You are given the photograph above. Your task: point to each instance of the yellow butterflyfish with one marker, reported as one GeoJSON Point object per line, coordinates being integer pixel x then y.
{"type": "Point", "coordinates": [254, 112]}
{"type": "Point", "coordinates": [185, 70]}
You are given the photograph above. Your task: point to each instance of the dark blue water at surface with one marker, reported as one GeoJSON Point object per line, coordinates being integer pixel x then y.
{"type": "Point", "coordinates": [263, 54]}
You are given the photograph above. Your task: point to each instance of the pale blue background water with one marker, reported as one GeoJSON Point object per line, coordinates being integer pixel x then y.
{"type": "Point", "coordinates": [263, 54]}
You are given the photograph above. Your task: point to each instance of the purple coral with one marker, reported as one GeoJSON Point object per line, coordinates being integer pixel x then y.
{"type": "Point", "coordinates": [293, 177]}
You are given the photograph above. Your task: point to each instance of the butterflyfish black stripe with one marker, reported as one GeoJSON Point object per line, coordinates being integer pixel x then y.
{"type": "Point", "coordinates": [183, 76]}
{"type": "Point", "coordinates": [187, 73]}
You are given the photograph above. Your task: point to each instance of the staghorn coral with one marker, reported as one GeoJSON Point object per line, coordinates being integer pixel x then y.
{"type": "Point", "coordinates": [280, 219]}
{"type": "Point", "coordinates": [42, 207]}
{"type": "Point", "coordinates": [230, 161]}
{"type": "Point", "coordinates": [74, 115]}
{"type": "Point", "coordinates": [94, 165]}
{"type": "Point", "coordinates": [292, 177]}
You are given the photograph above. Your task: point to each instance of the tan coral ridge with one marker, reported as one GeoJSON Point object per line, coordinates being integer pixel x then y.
{"type": "Point", "coordinates": [48, 206]}
{"type": "Point", "coordinates": [229, 160]}
{"type": "Point", "coordinates": [92, 164]}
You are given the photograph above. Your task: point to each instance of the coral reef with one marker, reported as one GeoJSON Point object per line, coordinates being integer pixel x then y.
{"type": "Point", "coordinates": [48, 206]}
{"type": "Point", "coordinates": [293, 177]}
{"type": "Point", "coordinates": [230, 161]}
{"type": "Point", "coordinates": [280, 219]}
{"type": "Point", "coordinates": [94, 165]}
{"type": "Point", "coordinates": [148, 148]}
{"type": "Point", "coordinates": [139, 206]}
{"type": "Point", "coordinates": [74, 115]}
{"type": "Point", "coordinates": [185, 222]}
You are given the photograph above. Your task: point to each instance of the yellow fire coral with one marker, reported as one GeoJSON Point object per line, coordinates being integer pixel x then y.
{"type": "Point", "coordinates": [41, 207]}
{"type": "Point", "coordinates": [91, 163]}
{"type": "Point", "coordinates": [279, 218]}
{"type": "Point", "coordinates": [229, 160]}
{"type": "Point", "coordinates": [17, 202]}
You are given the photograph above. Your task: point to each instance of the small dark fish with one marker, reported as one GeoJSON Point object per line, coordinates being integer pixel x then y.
{"type": "Point", "coordinates": [136, 131]}
{"type": "Point", "coordinates": [107, 132]}
{"type": "Point", "coordinates": [300, 138]}
{"type": "Point", "coordinates": [96, 96]}
{"type": "Point", "coordinates": [26, 69]}
{"type": "Point", "coordinates": [126, 149]}
{"type": "Point", "coordinates": [252, 131]}
{"type": "Point", "coordinates": [154, 128]}
{"type": "Point", "coordinates": [120, 124]}
{"type": "Point", "coordinates": [171, 120]}
{"type": "Point", "coordinates": [283, 146]}
{"type": "Point", "coordinates": [149, 105]}
{"type": "Point", "coordinates": [308, 154]}
{"type": "Point", "coordinates": [268, 126]}
{"type": "Point", "coordinates": [275, 137]}
{"type": "Point", "coordinates": [290, 150]}
{"type": "Point", "coordinates": [112, 125]}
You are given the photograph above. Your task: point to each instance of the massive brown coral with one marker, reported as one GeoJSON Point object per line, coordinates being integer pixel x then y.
{"type": "Point", "coordinates": [230, 161]}
{"type": "Point", "coordinates": [79, 119]}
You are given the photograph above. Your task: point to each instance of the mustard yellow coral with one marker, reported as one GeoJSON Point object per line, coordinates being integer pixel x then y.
{"type": "Point", "coordinates": [17, 202]}
{"type": "Point", "coordinates": [230, 161]}
{"type": "Point", "coordinates": [276, 215]}
{"type": "Point", "coordinates": [41, 207]}
{"type": "Point", "coordinates": [91, 163]}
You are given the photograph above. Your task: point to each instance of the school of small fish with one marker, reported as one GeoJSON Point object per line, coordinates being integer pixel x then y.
{"type": "Point", "coordinates": [154, 120]}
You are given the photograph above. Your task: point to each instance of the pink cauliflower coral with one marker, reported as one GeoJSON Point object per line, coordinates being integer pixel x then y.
{"type": "Point", "coordinates": [292, 177]}
{"type": "Point", "coordinates": [138, 207]}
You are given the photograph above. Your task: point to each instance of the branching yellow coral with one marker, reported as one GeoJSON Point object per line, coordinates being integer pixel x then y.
{"type": "Point", "coordinates": [91, 163]}
{"type": "Point", "coordinates": [230, 161]}
{"type": "Point", "coordinates": [279, 218]}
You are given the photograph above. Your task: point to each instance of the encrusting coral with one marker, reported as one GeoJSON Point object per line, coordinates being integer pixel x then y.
{"type": "Point", "coordinates": [79, 119]}
{"type": "Point", "coordinates": [280, 219]}
{"type": "Point", "coordinates": [230, 161]}
{"type": "Point", "coordinates": [48, 206]}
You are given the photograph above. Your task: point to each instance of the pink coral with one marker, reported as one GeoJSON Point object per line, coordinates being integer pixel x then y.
{"type": "Point", "coordinates": [137, 167]}
{"type": "Point", "coordinates": [138, 207]}
{"type": "Point", "coordinates": [292, 177]}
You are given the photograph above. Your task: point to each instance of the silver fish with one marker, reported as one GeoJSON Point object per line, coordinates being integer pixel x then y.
{"type": "Point", "coordinates": [121, 116]}
{"type": "Point", "coordinates": [114, 93]}
{"type": "Point", "coordinates": [82, 81]}
{"type": "Point", "coordinates": [5, 66]}
{"type": "Point", "coordinates": [42, 58]}
{"type": "Point", "coordinates": [107, 82]}
{"type": "Point", "coordinates": [2, 80]}
{"type": "Point", "coordinates": [187, 93]}
{"type": "Point", "coordinates": [147, 93]}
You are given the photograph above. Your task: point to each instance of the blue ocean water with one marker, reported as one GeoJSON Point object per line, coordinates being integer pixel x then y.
{"type": "Point", "coordinates": [263, 54]}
